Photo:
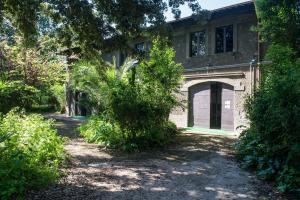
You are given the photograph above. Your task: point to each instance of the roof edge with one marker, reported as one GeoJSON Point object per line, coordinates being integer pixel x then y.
{"type": "Point", "coordinates": [215, 10]}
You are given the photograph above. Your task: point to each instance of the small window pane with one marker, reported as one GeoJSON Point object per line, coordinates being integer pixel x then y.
{"type": "Point", "coordinates": [140, 47]}
{"type": "Point", "coordinates": [229, 38]}
{"type": "Point", "coordinates": [198, 43]}
{"type": "Point", "coordinates": [224, 39]}
{"type": "Point", "coordinates": [219, 40]}
{"type": "Point", "coordinates": [194, 41]}
{"type": "Point", "coordinates": [123, 57]}
{"type": "Point", "coordinates": [201, 47]}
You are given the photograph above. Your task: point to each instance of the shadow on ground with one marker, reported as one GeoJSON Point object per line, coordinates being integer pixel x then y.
{"type": "Point", "coordinates": [194, 167]}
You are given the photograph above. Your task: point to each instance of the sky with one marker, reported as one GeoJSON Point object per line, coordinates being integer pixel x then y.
{"type": "Point", "coordinates": [205, 4]}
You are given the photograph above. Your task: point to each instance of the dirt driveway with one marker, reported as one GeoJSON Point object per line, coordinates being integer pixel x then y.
{"type": "Point", "coordinates": [198, 167]}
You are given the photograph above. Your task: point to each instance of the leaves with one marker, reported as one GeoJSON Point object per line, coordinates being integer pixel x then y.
{"type": "Point", "coordinates": [272, 143]}
{"type": "Point", "coordinates": [136, 100]}
{"type": "Point", "coordinates": [23, 15]}
{"type": "Point", "coordinates": [34, 69]}
{"type": "Point", "coordinates": [280, 22]}
{"type": "Point", "coordinates": [32, 153]}
{"type": "Point", "coordinates": [14, 94]}
{"type": "Point", "coordinates": [87, 24]}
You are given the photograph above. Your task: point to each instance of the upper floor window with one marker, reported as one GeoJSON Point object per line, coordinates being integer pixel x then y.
{"type": "Point", "coordinates": [123, 57]}
{"type": "Point", "coordinates": [140, 47]}
{"type": "Point", "coordinates": [224, 39]}
{"type": "Point", "coordinates": [298, 8]}
{"type": "Point", "coordinates": [198, 42]}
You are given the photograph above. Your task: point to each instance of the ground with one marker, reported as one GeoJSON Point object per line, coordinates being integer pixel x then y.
{"type": "Point", "coordinates": [197, 167]}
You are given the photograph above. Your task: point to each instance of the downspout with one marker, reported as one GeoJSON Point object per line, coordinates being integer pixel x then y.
{"type": "Point", "coordinates": [250, 69]}
{"type": "Point", "coordinates": [259, 49]}
{"type": "Point", "coordinates": [259, 54]}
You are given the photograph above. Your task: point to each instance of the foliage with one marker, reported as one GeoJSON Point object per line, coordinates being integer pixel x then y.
{"type": "Point", "coordinates": [86, 24]}
{"type": "Point", "coordinates": [38, 68]}
{"type": "Point", "coordinates": [87, 76]}
{"type": "Point", "coordinates": [280, 22]}
{"type": "Point", "coordinates": [138, 100]}
{"type": "Point", "coordinates": [100, 130]}
{"type": "Point", "coordinates": [272, 143]}
{"type": "Point", "coordinates": [14, 94]}
{"type": "Point", "coordinates": [7, 32]}
{"type": "Point", "coordinates": [161, 75]}
{"type": "Point", "coordinates": [59, 93]}
{"type": "Point", "coordinates": [30, 152]}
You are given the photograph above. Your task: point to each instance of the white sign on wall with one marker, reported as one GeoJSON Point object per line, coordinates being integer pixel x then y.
{"type": "Point", "coordinates": [227, 104]}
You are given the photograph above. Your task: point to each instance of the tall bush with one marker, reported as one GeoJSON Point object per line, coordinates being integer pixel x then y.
{"type": "Point", "coordinates": [272, 143]}
{"type": "Point", "coordinates": [139, 98]}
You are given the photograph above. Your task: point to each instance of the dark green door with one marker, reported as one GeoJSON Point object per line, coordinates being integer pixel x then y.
{"type": "Point", "coordinates": [216, 105]}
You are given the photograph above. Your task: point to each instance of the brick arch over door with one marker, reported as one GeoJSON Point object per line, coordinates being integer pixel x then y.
{"type": "Point", "coordinates": [211, 100]}
{"type": "Point", "coordinates": [189, 83]}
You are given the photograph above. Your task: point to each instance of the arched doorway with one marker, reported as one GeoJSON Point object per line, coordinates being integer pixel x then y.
{"type": "Point", "coordinates": [211, 105]}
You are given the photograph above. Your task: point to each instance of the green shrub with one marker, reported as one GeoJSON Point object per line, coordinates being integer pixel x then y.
{"type": "Point", "coordinates": [137, 101]}
{"type": "Point", "coordinates": [30, 152]}
{"type": "Point", "coordinates": [272, 143]}
{"type": "Point", "coordinates": [15, 94]}
{"type": "Point", "coordinates": [59, 93]}
{"type": "Point", "coordinates": [100, 130]}
{"type": "Point", "coordinates": [87, 76]}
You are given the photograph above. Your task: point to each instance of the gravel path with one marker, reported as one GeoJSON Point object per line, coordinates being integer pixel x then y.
{"type": "Point", "coordinates": [198, 167]}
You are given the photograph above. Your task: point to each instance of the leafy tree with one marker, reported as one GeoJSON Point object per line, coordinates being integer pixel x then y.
{"type": "Point", "coordinates": [87, 23]}
{"type": "Point", "coordinates": [31, 75]}
{"type": "Point", "coordinates": [280, 22]}
{"type": "Point", "coordinates": [271, 144]}
{"type": "Point", "coordinates": [162, 73]}
{"type": "Point", "coordinates": [35, 66]}
{"type": "Point", "coordinates": [87, 76]}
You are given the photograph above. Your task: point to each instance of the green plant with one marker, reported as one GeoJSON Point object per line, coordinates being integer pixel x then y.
{"type": "Point", "coordinates": [16, 94]}
{"type": "Point", "coordinates": [39, 69]}
{"type": "Point", "coordinates": [137, 101]}
{"type": "Point", "coordinates": [30, 152]}
{"type": "Point", "coordinates": [59, 93]}
{"type": "Point", "coordinates": [87, 76]}
{"type": "Point", "coordinates": [272, 143]}
{"type": "Point", "coordinates": [279, 22]}
{"type": "Point", "coordinates": [100, 130]}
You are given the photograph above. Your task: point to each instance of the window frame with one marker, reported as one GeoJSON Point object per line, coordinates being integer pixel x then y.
{"type": "Point", "coordinates": [224, 39]}
{"type": "Point", "coordinates": [140, 50]}
{"type": "Point", "coordinates": [198, 43]}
